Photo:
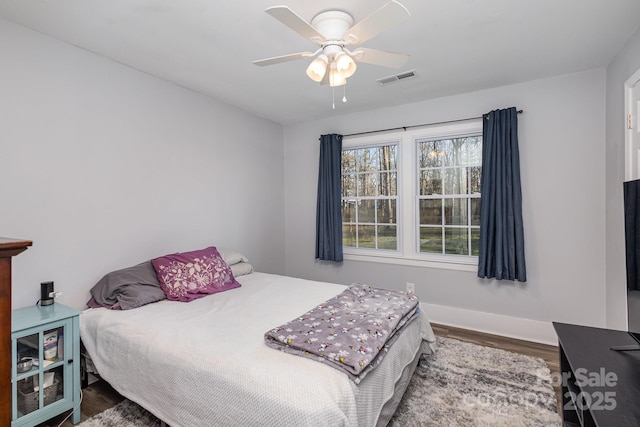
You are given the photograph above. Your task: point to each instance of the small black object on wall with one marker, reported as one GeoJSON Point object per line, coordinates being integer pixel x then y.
{"type": "Point", "coordinates": [46, 293]}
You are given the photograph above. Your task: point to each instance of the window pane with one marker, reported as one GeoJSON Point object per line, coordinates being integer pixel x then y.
{"type": "Point", "coordinates": [349, 211]}
{"type": "Point", "coordinates": [387, 156]}
{"type": "Point", "coordinates": [368, 184]}
{"type": "Point", "coordinates": [366, 236]}
{"type": "Point", "coordinates": [368, 160]}
{"type": "Point", "coordinates": [431, 240]}
{"type": "Point", "coordinates": [475, 149]}
{"type": "Point", "coordinates": [430, 182]}
{"type": "Point", "coordinates": [348, 161]}
{"type": "Point", "coordinates": [470, 150]}
{"type": "Point", "coordinates": [366, 211]}
{"type": "Point", "coordinates": [386, 211]}
{"type": "Point", "coordinates": [475, 173]}
{"type": "Point", "coordinates": [461, 145]}
{"type": "Point", "coordinates": [348, 185]}
{"type": "Point", "coordinates": [382, 158]}
{"type": "Point", "coordinates": [456, 241]}
{"type": "Point", "coordinates": [455, 212]}
{"type": "Point", "coordinates": [475, 241]}
{"type": "Point", "coordinates": [451, 152]}
{"type": "Point", "coordinates": [348, 235]}
{"type": "Point", "coordinates": [475, 211]}
{"type": "Point", "coordinates": [387, 237]}
{"type": "Point", "coordinates": [431, 212]}
{"type": "Point", "coordinates": [388, 184]}
{"type": "Point", "coordinates": [455, 181]}
{"type": "Point", "coordinates": [430, 154]}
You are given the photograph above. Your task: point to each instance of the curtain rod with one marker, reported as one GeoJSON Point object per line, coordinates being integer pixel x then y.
{"type": "Point", "coordinates": [416, 126]}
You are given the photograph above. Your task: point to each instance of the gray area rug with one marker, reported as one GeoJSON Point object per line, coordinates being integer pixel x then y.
{"type": "Point", "coordinates": [461, 385]}
{"type": "Point", "coordinates": [465, 384]}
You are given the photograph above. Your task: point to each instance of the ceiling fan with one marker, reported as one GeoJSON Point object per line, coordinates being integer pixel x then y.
{"type": "Point", "coordinates": [332, 30]}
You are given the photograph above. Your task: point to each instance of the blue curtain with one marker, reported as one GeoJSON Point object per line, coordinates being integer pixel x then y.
{"type": "Point", "coordinates": [501, 233]}
{"type": "Point", "coordinates": [328, 212]}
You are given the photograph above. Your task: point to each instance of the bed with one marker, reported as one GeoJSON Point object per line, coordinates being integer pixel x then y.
{"type": "Point", "coordinates": [205, 363]}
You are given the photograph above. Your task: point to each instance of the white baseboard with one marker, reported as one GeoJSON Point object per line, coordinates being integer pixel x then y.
{"type": "Point", "coordinates": [497, 324]}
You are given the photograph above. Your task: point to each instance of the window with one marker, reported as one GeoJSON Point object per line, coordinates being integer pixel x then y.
{"type": "Point", "coordinates": [413, 197]}
{"type": "Point", "coordinates": [449, 195]}
{"type": "Point", "coordinates": [369, 197]}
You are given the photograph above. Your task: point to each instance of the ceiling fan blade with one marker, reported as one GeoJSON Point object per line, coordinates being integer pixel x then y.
{"type": "Point", "coordinates": [292, 20]}
{"type": "Point", "coordinates": [380, 57]}
{"type": "Point", "coordinates": [283, 58]}
{"type": "Point", "coordinates": [388, 16]}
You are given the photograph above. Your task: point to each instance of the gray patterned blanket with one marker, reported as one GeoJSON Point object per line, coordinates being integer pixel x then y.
{"type": "Point", "coordinates": [350, 332]}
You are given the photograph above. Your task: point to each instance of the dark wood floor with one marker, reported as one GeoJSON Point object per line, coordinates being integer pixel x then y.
{"type": "Point", "coordinates": [100, 396]}
{"type": "Point", "coordinates": [95, 399]}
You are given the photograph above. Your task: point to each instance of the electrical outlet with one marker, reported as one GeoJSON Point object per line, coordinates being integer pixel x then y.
{"type": "Point", "coordinates": [411, 288]}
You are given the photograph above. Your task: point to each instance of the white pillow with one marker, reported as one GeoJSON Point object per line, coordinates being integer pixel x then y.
{"type": "Point", "coordinates": [241, 268]}
{"type": "Point", "coordinates": [231, 257]}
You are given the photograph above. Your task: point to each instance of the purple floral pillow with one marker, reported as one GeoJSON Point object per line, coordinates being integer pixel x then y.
{"type": "Point", "coordinates": [190, 275]}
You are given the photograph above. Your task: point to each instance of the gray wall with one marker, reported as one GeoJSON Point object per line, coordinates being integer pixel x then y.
{"type": "Point", "coordinates": [104, 167]}
{"type": "Point", "coordinates": [562, 148]}
{"type": "Point", "coordinates": [625, 64]}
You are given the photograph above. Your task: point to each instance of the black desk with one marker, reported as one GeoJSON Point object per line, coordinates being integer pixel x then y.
{"type": "Point", "coordinates": [600, 387]}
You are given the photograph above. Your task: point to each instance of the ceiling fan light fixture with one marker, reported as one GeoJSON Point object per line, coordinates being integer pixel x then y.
{"type": "Point", "coordinates": [336, 78]}
{"type": "Point", "coordinates": [345, 64]}
{"type": "Point", "coordinates": [333, 30]}
{"type": "Point", "coordinates": [318, 68]}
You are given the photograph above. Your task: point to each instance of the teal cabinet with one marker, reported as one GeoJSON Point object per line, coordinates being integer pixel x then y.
{"type": "Point", "coordinates": [45, 372]}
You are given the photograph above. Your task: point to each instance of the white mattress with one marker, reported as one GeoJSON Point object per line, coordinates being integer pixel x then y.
{"type": "Point", "coordinates": [205, 363]}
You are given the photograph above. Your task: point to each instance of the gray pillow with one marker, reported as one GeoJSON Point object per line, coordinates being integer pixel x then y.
{"type": "Point", "coordinates": [128, 288]}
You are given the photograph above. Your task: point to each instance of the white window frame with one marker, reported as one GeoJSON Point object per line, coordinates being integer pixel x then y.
{"type": "Point", "coordinates": [379, 143]}
{"type": "Point", "coordinates": [407, 205]}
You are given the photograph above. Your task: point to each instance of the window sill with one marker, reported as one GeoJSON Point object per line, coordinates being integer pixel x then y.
{"type": "Point", "coordinates": [461, 264]}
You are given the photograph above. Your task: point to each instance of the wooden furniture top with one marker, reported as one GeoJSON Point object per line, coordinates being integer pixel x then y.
{"type": "Point", "coordinates": [12, 247]}
{"type": "Point", "coordinates": [6, 243]}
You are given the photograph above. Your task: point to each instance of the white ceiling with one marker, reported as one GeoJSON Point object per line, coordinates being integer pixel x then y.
{"type": "Point", "coordinates": [456, 46]}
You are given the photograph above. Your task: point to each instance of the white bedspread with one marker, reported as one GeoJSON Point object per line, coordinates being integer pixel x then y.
{"type": "Point", "coordinates": [205, 363]}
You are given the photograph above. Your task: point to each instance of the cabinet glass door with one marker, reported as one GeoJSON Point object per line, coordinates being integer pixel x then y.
{"type": "Point", "coordinates": [27, 368]}
{"type": "Point", "coordinates": [53, 365]}
{"type": "Point", "coordinates": [40, 369]}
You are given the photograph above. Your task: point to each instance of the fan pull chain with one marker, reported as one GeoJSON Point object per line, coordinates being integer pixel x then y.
{"type": "Point", "coordinates": [333, 97]}
{"type": "Point", "coordinates": [344, 96]}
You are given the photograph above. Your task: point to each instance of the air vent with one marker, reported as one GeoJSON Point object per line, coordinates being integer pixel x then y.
{"type": "Point", "coordinates": [396, 77]}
